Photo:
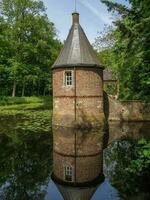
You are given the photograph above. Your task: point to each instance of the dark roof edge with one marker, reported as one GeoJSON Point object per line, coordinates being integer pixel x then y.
{"type": "Point", "coordinates": [78, 65]}
{"type": "Point", "coordinates": [98, 180]}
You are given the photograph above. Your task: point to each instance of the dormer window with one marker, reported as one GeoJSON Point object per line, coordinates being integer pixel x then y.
{"type": "Point", "coordinates": [68, 78]}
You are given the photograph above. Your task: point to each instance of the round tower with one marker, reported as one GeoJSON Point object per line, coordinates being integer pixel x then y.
{"type": "Point", "coordinates": [77, 156]}
{"type": "Point", "coordinates": [77, 81]}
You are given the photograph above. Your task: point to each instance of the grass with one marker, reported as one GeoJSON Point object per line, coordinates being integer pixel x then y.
{"type": "Point", "coordinates": [4, 101]}
{"type": "Point", "coordinates": [26, 114]}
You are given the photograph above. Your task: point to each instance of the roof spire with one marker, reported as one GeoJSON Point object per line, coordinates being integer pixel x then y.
{"type": "Point", "coordinates": [75, 5]}
{"type": "Point", "coordinates": [75, 14]}
{"type": "Point", "coordinates": [77, 50]}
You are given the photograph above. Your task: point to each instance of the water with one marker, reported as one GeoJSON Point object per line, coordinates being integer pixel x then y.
{"type": "Point", "coordinates": [98, 161]}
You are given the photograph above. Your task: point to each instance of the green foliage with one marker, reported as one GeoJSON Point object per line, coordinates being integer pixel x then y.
{"type": "Point", "coordinates": [141, 162]}
{"type": "Point", "coordinates": [27, 114]}
{"type": "Point", "coordinates": [23, 100]}
{"type": "Point", "coordinates": [110, 88]}
{"type": "Point", "coordinates": [29, 48]}
{"type": "Point", "coordinates": [131, 163]}
{"type": "Point", "coordinates": [130, 52]}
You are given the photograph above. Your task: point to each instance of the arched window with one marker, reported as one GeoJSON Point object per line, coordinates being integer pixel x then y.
{"type": "Point", "coordinates": [68, 173]}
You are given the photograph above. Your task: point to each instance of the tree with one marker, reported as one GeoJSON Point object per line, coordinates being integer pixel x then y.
{"type": "Point", "coordinates": [129, 161]}
{"type": "Point", "coordinates": [4, 54]}
{"type": "Point", "coordinates": [32, 44]}
{"type": "Point", "coordinates": [131, 48]}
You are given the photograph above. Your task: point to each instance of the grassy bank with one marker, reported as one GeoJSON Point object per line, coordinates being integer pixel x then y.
{"type": "Point", "coordinates": [25, 114]}
{"type": "Point", "coordinates": [5, 101]}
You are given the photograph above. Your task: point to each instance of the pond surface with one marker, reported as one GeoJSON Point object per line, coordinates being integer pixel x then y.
{"type": "Point", "coordinates": [104, 163]}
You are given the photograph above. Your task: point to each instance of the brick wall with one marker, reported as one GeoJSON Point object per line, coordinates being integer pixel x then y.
{"type": "Point", "coordinates": [81, 150]}
{"type": "Point", "coordinates": [89, 97]}
{"type": "Point", "coordinates": [86, 169]}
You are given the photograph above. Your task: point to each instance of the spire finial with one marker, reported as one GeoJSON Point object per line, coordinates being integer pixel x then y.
{"type": "Point", "coordinates": [75, 14]}
{"type": "Point", "coordinates": [75, 5]}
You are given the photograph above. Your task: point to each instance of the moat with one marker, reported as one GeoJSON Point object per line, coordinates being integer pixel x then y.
{"type": "Point", "coordinates": [87, 165]}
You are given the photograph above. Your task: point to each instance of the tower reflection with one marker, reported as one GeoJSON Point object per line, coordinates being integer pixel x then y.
{"type": "Point", "coordinates": [77, 162]}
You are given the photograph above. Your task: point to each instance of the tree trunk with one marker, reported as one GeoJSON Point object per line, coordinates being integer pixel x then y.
{"type": "Point", "coordinates": [23, 89]}
{"type": "Point", "coordinates": [38, 92]}
{"type": "Point", "coordinates": [44, 91]}
{"type": "Point", "coordinates": [32, 91]}
{"type": "Point", "coordinates": [14, 89]}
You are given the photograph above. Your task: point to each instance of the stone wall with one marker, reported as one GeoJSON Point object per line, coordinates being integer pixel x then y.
{"type": "Point", "coordinates": [127, 110]}
{"type": "Point", "coordinates": [134, 130]}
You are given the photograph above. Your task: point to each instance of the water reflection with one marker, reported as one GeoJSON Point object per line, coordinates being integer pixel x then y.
{"type": "Point", "coordinates": [132, 130]}
{"type": "Point", "coordinates": [77, 162]}
{"type": "Point", "coordinates": [26, 163]}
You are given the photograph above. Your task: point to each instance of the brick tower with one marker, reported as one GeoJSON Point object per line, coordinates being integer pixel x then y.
{"type": "Point", "coordinates": [77, 156]}
{"type": "Point", "coordinates": [77, 81]}
{"type": "Point", "coordinates": [77, 169]}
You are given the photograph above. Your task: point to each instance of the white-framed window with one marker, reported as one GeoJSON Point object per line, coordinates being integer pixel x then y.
{"type": "Point", "coordinates": [68, 173]}
{"type": "Point", "coordinates": [68, 78]}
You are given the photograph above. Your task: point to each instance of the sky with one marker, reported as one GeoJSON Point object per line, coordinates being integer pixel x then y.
{"type": "Point", "coordinates": [93, 16]}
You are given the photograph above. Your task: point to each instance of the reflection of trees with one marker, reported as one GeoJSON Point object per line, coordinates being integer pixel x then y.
{"type": "Point", "coordinates": [25, 165]}
{"type": "Point", "coordinates": [127, 164]}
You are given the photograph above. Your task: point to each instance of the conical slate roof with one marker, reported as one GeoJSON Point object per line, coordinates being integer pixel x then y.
{"type": "Point", "coordinates": [77, 50]}
{"type": "Point", "coordinates": [75, 193]}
